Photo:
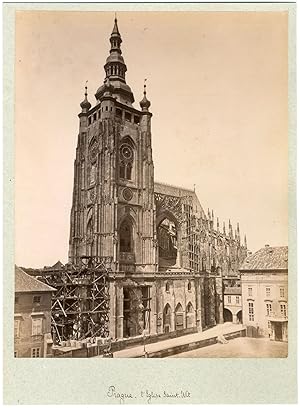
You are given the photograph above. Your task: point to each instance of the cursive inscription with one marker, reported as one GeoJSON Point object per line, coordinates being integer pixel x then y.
{"type": "Point", "coordinates": [146, 395]}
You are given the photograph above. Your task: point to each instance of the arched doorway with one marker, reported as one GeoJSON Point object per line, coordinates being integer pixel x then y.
{"type": "Point", "coordinates": [190, 315]}
{"type": "Point", "coordinates": [239, 317]}
{"type": "Point", "coordinates": [179, 317]}
{"type": "Point", "coordinates": [167, 243]}
{"type": "Point", "coordinates": [227, 315]}
{"type": "Point", "coordinates": [167, 318]}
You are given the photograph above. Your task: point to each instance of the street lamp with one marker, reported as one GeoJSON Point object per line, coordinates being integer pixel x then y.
{"type": "Point", "coordinates": [144, 341]}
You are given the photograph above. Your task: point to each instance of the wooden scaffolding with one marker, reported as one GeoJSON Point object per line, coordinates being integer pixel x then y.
{"type": "Point", "coordinates": [80, 305]}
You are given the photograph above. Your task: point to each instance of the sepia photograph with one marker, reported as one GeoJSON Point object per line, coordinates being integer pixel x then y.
{"type": "Point", "coordinates": [149, 203]}
{"type": "Point", "coordinates": [151, 184]}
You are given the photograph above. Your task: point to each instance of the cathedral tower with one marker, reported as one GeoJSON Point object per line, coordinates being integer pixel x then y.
{"type": "Point", "coordinates": [113, 198]}
{"type": "Point", "coordinates": [113, 207]}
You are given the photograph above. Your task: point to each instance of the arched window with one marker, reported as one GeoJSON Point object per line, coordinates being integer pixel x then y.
{"type": "Point", "coordinates": [190, 316]}
{"type": "Point", "coordinates": [189, 286]}
{"type": "Point", "coordinates": [126, 244]}
{"type": "Point", "coordinates": [179, 317]}
{"type": "Point", "coordinates": [167, 243]}
{"type": "Point", "coordinates": [126, 159]}
{"type": "Point", "coordinates": [189, 308]}
{"type": "Point", "coordinates": [167, 313]}
{"type": "Point", "coordinates": [167, 287]}
{"type": "Point", "coordinates": [89, 230]}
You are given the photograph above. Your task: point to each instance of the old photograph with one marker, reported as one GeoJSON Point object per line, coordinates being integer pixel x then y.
{"type": "Point", "coordinates": [151, 184]}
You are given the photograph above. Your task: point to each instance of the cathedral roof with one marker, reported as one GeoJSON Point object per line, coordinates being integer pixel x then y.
{"type": "Point", "coordinates": [169, 189]}
{"type": "Point", "coordinates": [180, 192]}
{"type": "Point", "coordinates": [26, 283]}
{"type": "Point", "coordinates": [267, 258]}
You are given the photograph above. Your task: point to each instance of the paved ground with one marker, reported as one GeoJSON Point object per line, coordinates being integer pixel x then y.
{"type": "Point", "coordinates": [240, 347]}
{"type": "Point", "coordinates": [190, 338]}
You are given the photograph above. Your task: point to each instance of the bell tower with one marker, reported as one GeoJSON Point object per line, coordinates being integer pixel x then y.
{"type": "Point", "coordinates": [113, 207]}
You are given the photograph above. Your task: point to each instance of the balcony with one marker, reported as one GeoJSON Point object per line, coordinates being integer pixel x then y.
{"type": "Point", "coordinates": [127, 262]}
{"type": "Point", "coordinates": [274, 317]}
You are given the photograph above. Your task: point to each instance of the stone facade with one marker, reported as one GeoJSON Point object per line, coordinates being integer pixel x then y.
{"type": "Point", "coordinates": [232, 300]}
{"type": "Point", "coordinates": [167, 256]}
{"type": "Point", "coordinates": [264, 278]}
{"type": "Point", "coordinates": [32, 317]}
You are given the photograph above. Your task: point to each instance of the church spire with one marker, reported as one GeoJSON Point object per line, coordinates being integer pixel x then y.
{"type": "Point", "coordinates": [115, 69]}
{"type": "Point", "coordinates": [115, 66]}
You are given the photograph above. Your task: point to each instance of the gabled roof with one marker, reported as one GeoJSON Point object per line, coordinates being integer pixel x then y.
{"type": "Point", "coordinates": [26, 283]}
{"type": "Point", "coordinates": [267, 258]}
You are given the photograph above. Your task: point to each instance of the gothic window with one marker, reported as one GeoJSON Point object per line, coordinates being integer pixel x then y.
{"type": "Point", "coordinates": [126, 244]}
{"type": "Point", "coordinates": [167, 313]}
{"type": "Point", "coordinates": [167, 287]}
{"type": "Point", "coordinates": [189, 286]}
{"type": "Point", "coordinates": [89, 230]}
{"type": "Point", "coordinates": [92, 174]}
{"type": "Point", "coordinates": [179, 317]}
{"type": "Point", "coordinates": [189, 308]}
{"type": "Point", "coordinates": [126, 161]}
{"type": "Point", "coordinates": [93, 151]}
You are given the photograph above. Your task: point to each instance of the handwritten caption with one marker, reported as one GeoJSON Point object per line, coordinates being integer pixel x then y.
{"type": "Point", "coordinates": [148, 395]}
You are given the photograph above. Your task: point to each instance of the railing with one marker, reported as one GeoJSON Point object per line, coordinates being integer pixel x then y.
{"type": "Point", "coordinates": [127, 257]}
{"type": "Point", "coordinates": [277, 317]}
{"type": "Point", "coordinates": [127, 262]}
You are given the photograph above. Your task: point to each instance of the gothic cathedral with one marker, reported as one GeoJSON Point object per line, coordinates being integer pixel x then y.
{"type": "Point", "coordinates": [167, 259]}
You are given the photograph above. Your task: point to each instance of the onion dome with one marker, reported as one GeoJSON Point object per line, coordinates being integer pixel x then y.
{"type": "Point", "coordinates": [145, 104]}
{"type": "Point", "coordinates": [85, 104]}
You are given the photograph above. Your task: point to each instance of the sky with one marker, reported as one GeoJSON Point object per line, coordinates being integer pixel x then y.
{"type": "Point", "coordinates": [217, 82]}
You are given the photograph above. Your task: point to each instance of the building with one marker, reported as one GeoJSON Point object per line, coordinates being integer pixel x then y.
{"type": "Point", "coordinates": [232, 292]}
{"type": "Point", "coordinates": [264, 279]}
{"type": "Point", "coordinates": [32, 317]}
{"type": "Point", "coordinates": [166, 255]}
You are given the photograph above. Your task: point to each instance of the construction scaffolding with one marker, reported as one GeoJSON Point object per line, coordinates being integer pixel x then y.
{"type": "Point", "coordinates": [80, 305]}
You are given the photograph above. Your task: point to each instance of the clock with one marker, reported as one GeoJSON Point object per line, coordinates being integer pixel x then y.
{"type": "Point", "coordinates": [126, 152]}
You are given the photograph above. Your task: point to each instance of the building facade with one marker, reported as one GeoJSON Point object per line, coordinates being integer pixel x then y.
{"type": "Point", "coordinates": [167, 257]}
{"type": "Point", "coordinates": [32, 317]}
{"type": "Point", "coordinates": [232, 300]}
{"type": "Point", "coordinates": [264, 279]}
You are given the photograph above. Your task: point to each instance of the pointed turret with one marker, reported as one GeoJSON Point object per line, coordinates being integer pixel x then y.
{"type": "Point", "coordinates": [115, 69]}
{"type": "Point", "coordinates": [245, 241]}
{"type": "Point", "coordinates": [224, 228]}
{"type": "Point", "coordinates": [83, 115]}
{"type": "Point", "coordinates": [218, 225]}
{"type": "Point", "coordinates": [145, 104]}
{"type": "Point", "coordinates": [230, 229]}
{"type": "Point", "coordinates": [85, 104]}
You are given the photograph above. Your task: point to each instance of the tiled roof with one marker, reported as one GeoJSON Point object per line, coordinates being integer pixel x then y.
{"type": "Point", "coordinates": [26, 283]}
{"type": "Point", "coordinates": [267, 258]}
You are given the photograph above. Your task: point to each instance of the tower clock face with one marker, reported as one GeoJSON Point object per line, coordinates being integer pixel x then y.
{"type": "Point", "coordinates": [126, 152]}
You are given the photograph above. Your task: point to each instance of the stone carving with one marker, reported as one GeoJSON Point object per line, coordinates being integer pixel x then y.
{"type": "Point", "coordinates": [171, 204]}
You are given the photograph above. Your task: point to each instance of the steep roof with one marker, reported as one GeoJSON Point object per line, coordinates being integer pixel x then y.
{"type": "Point", "coordinates": [26, 283]}
{"type": "Point", "coordinates": [267, 258]}
{"type": "Point", "coordinates": [180, 192]}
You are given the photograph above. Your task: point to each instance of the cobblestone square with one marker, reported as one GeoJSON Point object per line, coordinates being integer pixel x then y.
{"type": "Point", "coordinates": [240, 347]}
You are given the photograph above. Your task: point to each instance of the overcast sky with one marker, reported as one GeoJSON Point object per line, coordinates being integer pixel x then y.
{"type": "Point", "coordinates": [217, 83]}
